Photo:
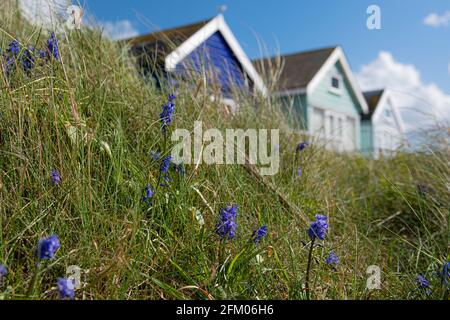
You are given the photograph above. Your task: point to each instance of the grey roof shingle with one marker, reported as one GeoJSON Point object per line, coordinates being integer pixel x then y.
{"type": "Point", "coordinates": [152, 49]}
{"type": "Point", "coordinates": [298, 69]}
{"type": "Point", "coordinates": [175, 35]}
{"type": "Point", "coordinates": [372, 98]}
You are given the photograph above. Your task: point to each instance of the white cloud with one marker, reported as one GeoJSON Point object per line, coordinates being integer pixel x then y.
{"type": "Point", "coordinates": [122, 29]}
{"type": "Point", "coordinates": [45, 13]}
{"type": "Point", "coordinates": [421, 104]}
{"type": "Point", "coordinates": [51, 14]}
{"type": "Point", "coordinates": [436, 20]}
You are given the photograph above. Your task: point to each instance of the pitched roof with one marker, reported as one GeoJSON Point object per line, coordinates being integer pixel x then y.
{"type": "Point", "coordinates": [152, 49]}
{"type": "Point", "coordinates": [175, 35]}
{"type": "Point", "coordinates": [163, 50]}
{"type": "Point", "coordinates": [298, 69]}
{"type": "Point", "coordinates": [372, 98]}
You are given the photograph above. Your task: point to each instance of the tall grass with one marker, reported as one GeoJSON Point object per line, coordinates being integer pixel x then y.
{"type": "Point", "coordinates": [92, 117]}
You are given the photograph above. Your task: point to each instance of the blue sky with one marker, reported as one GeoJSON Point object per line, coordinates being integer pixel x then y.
{"type": "Point", "coordinates": [295, 25]}
{"type": "Point", "coordinates": [410, 54]}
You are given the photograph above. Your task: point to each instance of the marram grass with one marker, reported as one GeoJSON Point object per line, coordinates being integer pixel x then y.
{"type": "Point", "coordinates": [78, 139]}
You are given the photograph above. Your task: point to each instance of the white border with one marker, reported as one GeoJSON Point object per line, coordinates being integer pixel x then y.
{"type": "Point", "coordinates": [216, 24]}
{"type": "Point", "coordinates": [290, 92]}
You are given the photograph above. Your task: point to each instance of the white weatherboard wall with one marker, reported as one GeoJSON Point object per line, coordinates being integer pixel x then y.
{"type": "Point", "coordinates": [334, 115]}
{"type": "Point", "coordinates": [217, 24]}
{"type": "Point", "coordinates": [330, 114]}
{"type": "Point", "coordinates": [388, 131]}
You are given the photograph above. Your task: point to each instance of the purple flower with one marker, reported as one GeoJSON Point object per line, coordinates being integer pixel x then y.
{"type": "Point", "coordinates": [165, 166]}
{"type": "Point", "coordinates": [444, 275]}
{"type": "Point", "coordinates": [10, 64]}
{"type": "Point", "coordinates": [52, 46]}
{"type": "Point", "coordinates": [299, 172]}
{"type": "Point", "coordinates": [258, 234]}
{"type": "Point", "coordinates": [332, 259]}
{"type": "Point", "coordinates": [47, 247]}
{"type": "Point", "coordinates": [302, 146]}
{"type": "Point", "coordinates": [42, 54]}
{"type": "Point", "coordinates": [148, 195]}
{"type": "Point", "coordinates": [14, 48]}
{"type": "Point", "coordinates": [166, 116]}
{"type": "Point", "coordinates": [28, 59]}
{"type": "Point", "coordinates": [3, 272]}
{"type": "Point", "coordinates": [66, 288]}
{"type": "Point", "coordinates": [423, 284]}
{"type": "Point", "coordinates": [226, 227]}
{"type": "Point", "coordinates": [318, 228]}
{"type": "Point", "coordinates": [13, 52]}
{"type": "Point", "coordinates": [55, 177]}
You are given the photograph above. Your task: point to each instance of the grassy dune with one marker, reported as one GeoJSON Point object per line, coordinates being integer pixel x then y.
{"type": "Point", "coordinates": [95, 120]}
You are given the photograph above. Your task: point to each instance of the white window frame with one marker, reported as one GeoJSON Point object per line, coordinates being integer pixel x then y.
{"type": "Point", "coordinates": [337, 91]}
{"type": "Point", "coordinates": [388, 113]}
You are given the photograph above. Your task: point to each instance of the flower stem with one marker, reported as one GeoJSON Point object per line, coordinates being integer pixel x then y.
{"type": "Point", "coordinates": [309, 268]}
{"type": "Point", "coordinates": [221, 252]}
{"type": "Point", "coordinates": [33, 281]}
{"type": "Point", "coordinates": [163, 155]}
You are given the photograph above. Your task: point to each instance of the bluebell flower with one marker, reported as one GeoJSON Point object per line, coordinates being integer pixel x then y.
{"type": "Point", "coordinates": [55, 177]}
{"type": "Point", "coordinates": [155, 155]}
{"type": "Point", "coordinates": [165, 165]}
{"type": "Point", "coordinates": [148, 195]}
{"type": "Point", "coordinates": [47, 247]}
{"type": "Point", "coordinates": [423, 284]}
{"type": "Point", "coordinates": [66, 288]}
{"type": "Point", "coordinates": [42, 54]}
{"type": "Point", "coordinates": [302, 146]}
{"type": "Point", "coordinates": [332, 260]}
{"type": "Point", "coordinates": [28, 59]}
{"type": "Point", "coordinates": [226, 227]}
{"type": "Point", "coordinates": [13, 52]}
{"type": "Point", "coordinates": [14, 48]}
{"type": "Point", "coordinates": [318, 228]}
{"type": "Point", "coordinates": [9, 66]}
{"type": "Point", "coordinates": [3, 272]}
{"type": "Point", "coordinates": [299, 172]}
{"type": "Point", "coordinates": [444, 275]}
{"type": "Point", "coordinates": [52, 46]}
{"type": "Point", "coordinates": [166, 116]}
{"type": "Point", "coordinates": [258, 234]}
